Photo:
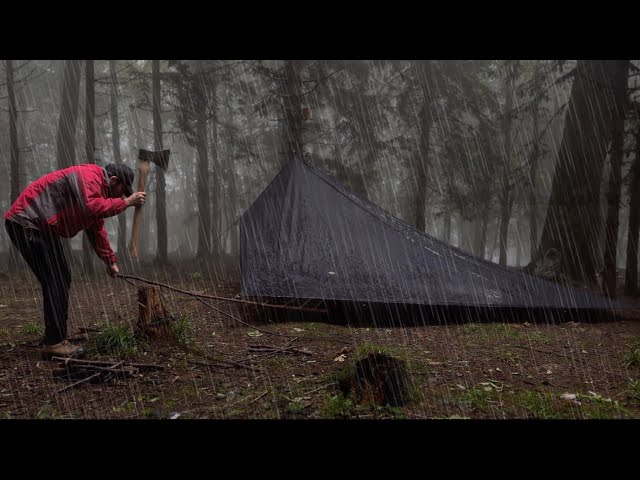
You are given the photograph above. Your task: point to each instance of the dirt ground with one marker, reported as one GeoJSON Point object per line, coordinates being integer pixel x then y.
{"type": "Point", "coordinates": [221, 369]}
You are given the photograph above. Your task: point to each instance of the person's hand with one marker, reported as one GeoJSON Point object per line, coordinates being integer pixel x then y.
{"type": "Point", "coordinates": [137, 199]}
{"type": "Point", "coordinates": [113, 270]}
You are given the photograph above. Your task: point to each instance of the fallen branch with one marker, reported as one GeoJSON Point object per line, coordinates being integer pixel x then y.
{"type": "Point", "coordinates": [225, 299]}
{"type": "Point", "coordinates": [141, 366]}
{"type": "Point", "coordinates": [258, 397]}
{"type": "Point", "coordinates": [198, 297]}
{"type": "Point", "coordinates": [319, 388]}
{"type": "Point", "coordinates": [226, 364]}
{"type": "Point", "coordinates": [272, 349]}
{"type": "Point", "coordinates": [84, 380]}
{"type": "Point", "coordinates": [90, 377]}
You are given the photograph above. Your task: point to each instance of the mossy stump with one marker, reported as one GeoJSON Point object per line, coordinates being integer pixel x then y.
{"type": "Point", "coordinates": [378, 379]}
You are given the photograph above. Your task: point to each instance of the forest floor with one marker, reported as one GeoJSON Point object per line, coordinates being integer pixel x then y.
{"type": "Point", "coordinates": [520, 370]}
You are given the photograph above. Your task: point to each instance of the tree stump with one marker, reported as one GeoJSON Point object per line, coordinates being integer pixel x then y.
{"type": "Point", "coordinates": [154, 322]}
{"type": "Point", "coordinates": [380, 380]}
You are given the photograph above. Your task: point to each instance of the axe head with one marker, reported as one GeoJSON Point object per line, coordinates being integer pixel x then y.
{"type": "Point", "coordinates": [160, 158]}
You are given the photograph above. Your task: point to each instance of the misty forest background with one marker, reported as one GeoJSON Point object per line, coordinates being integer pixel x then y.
{"type": "Point", "coordinates": [528, 163]}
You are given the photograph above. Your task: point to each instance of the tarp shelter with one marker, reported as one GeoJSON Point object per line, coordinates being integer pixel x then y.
{"type": "Point", "coordinates": [307, 237]}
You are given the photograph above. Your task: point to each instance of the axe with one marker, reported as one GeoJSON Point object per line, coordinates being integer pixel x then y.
{"type": "Point", "coordinates": [145, 157]}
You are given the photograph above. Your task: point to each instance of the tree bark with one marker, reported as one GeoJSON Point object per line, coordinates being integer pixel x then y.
{"type": "Point", "coordinates": [483, 234]}
{"type": "Point", "coordinates": [447, 226]}
{"type": "Point", "coordinates": [573, 217]}
{"type": "Point", "coordinates": [293, 111]}
{"type": "Point", "coordinates": [161, 206]}
{"type": "Point", "coordinates": [202, 149]}
{"type": "Point", "coordinates": [506, 201]}
{"type": "Point", "coordinates": [15, 149]}
{"type": "Point", "coordinates": [216, 201]}
{"type": "Point", "coordinates": [424, 71]}
{"type": "Point", "coordinates": [615, 178]}
{"type": "Point", "coordinates": [67, 122]}
{"type": "Point", "coordinates": [631, 273]}
{"type": "Point", "coordinates": [90, 134]}
{"type": "Point", "coordinates": [117, 158]}
{"type": "Point", "coordinates": [154, 322]}
{"type": "Point", "coordinates": [533, 169]}
{"type": "Point", "coordinates": [65, 140]}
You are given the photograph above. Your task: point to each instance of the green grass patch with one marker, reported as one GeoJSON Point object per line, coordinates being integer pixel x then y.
{"type": "Point", "coordinates": [338, 406]}
{"type": "Point", "coordinates": [475, 399]}
{"type": "Point", "coordinates": [181, 328]}
{"type": "Point", "coordinates": [539, 337]}
{"type": "Point", "coordinates": [597, 407]}
{"type": "Point", "coordinates": [508, 356]}
{"type": "Point", "coordinates": [632, 357]}
{"type": "Point", "coordinates": [118, 339]}
{"type": "Point", "coordinates": [634, 389]}
{"type": "Point", "coordinates": [31, 329]}
{"type": "Point", "coordinates": [295, 407]}
{"type": "Point", "coordinates": [536, 404]}
{"type": "Point", "coordinates": [488, 331]}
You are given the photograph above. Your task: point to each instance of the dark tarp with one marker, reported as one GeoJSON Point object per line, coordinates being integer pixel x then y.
{"type": "Point", "coordinates": [306, 237]}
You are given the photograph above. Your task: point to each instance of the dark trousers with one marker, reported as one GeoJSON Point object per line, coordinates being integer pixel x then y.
{"type": "Point", "coordinates": [43, 253]}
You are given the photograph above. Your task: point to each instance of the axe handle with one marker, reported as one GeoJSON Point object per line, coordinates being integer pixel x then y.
{"type": "Point", "coordinates": [143, 171]}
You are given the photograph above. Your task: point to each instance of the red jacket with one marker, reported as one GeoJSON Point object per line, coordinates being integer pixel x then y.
{"type": "Point", "coordinates": [67, 201]}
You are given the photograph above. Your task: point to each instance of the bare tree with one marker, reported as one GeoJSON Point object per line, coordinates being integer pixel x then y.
{"type": "Point", "coordinates": [66, 137]}
{"type": "Point", "coordinates": [573, 217]}
{"type": "Point", "coordinates": [507, 194]}
{"type": "Point", "coordinates": [424, 73]}
{"type": "Point", "coordinates": [117, 158]}
{"type": "Point", "coordinates": [615, 177]}
{"type": "Point", "coordinates": [293, 110]}
{"type": "Point", "coordinates": [202, 149]}
{"type": "Point", "coordinates": [15, 149]}
{"type": "Point", "coordinates": [89, 147]}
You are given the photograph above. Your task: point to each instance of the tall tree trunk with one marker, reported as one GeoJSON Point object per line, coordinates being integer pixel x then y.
{"type": "Point", "coordinates": [631, 273]}
{"type": "Point", "coordinates": [494, 245]}
{"type": "Point", "coordinates": [476, 237]}
{"type": "Point", "coordinates": [161, 205]}
{"type": "Point", "coordinates": [519, 247]}
{"type": "Point", "coordinates": [230, 209]}
{"type": "Point", "coordinates": [424, 71]}
{"type": "Point", "coordinates": [202, 149]}
{"type": "Point", "coordinates": [234, 233]}
{"type": "Point", "coordinates": [447, 226]}
{"type": "Point", "coordinates": [89, 149]}
{"type": "Point", "coordinates": [117, 158]}
{"type": "Point", "coordinates": [573, 217]}
{"type": "Point", "coordinates": [533, 171]}
{"type": "Point", "coordinates": [15, 149]}
{"type": "Point", "coordinates": [215, 173]}
{"type": "Point", "coordinates": [483, 234]}
{"type": "Point", "coordinates": [90, 112]}
{"type": "Point", "coordinates": [67, 122]}
{"type": "Point", "coordinates": [293, 111]}
{"type": "Point", "coordinates": [65, 139]}
{"type": "Point", "coordinates": [189, 177]}
{"type": "Point", "coordinates": [506, 201]}
{"type": "Point", "coordinates": [615, 178]}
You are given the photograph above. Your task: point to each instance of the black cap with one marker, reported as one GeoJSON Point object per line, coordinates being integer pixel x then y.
{"type": "Point", "coordinates": [122, 173]}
